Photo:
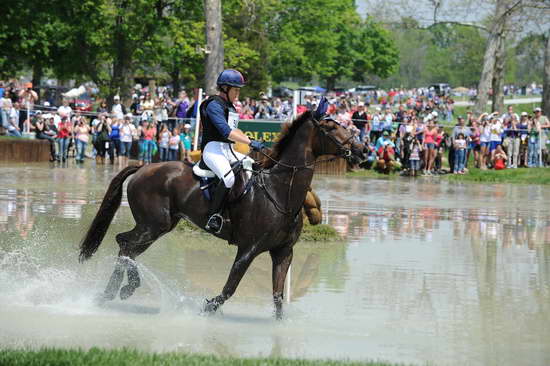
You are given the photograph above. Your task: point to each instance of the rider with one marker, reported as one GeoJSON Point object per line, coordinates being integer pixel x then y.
{"type": "Point", "coordinates": [219, 121]}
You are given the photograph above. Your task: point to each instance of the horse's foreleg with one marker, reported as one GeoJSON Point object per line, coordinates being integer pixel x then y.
{"type": "Point", "coordinates": [282, 258]}
{"type": "Point", "coordinates": [239, 268]}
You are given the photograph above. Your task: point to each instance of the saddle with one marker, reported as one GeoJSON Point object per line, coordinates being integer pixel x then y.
{"type": "Point", "coordinates": [209, 181]}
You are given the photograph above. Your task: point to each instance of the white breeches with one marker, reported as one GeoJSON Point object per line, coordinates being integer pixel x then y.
{"type": "Point", "coordinates": [218, 156]}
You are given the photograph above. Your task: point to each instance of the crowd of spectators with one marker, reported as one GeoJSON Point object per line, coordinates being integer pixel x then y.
{"type": "Point", "coordinates": [404, 129]}
{"type": "Point", "coordinates": [411, 137]}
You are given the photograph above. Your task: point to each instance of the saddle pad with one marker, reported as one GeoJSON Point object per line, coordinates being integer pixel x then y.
{"type": "Point", "coordinates": [202, 173]}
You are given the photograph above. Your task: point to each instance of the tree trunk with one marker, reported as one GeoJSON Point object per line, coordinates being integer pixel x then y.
{"type": "Point", "coordinates": [121, 82]}
{"type": "Point", "coordinates": [498, 77]}
{"type": "Point", "coordinates": [497, 28]}
{"type": "Point", "coordinates": [37, 73]}
{"type": "Point", "coordinates": [546, 78]}
{"type": "Point", "coordinates": [214, 44]}
{"type": "Point", "coordinates": [331, 83]}
{"type": "Point", "coordinates": [175, 75]}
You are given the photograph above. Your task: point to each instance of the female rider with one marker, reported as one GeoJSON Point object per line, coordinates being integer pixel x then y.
{"type": "Point", "coordinates": [219, 121]}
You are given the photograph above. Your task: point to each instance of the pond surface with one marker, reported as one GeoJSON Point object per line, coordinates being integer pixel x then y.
{"type": "Point", "coordinates": [430, 271]}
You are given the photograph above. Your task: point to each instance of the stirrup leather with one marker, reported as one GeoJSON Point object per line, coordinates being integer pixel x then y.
{"type": "Point", "coordinates": [211, 224]}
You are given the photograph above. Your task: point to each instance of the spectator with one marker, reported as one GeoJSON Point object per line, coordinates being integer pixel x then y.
{"type": "Point", "coordinates": [127, 135]}
{"type": "Point", "coordinates": [460, 154]}
{"type": "Point", "coordinates": [376, 128]}
{"type": "Point", "coordinates": [511, 140]}
{"type": "Point", "coordinates": [429, 147]}
{"type": "Point", "coordinates": [13, 125]}
{"type": "Point", "coordinates": [164, 142]}
{"type": "Point", "coordinates": [499, 158]}
{"type": "Point", "coordinates": [182, 104]}
{"type": "Point", "coordinates": [359, 119]}
{"type": "Point", "coordinates": [103, 107]}
{"type": "Point", "coordinates": [174, 145]}
{"type": "Point", "coordinates": [416, 149]}
{"type": "Point", "coordinates": [43, 133]}
{"type": "Point", "coordinates": [64, 131]}
{"type": "Point", "coordinates": [149, 145]}
{"type": "Point", "coordinates": [114, 140]}
{"type": "Point", "coordinates": [495, 137]}
{"type": "Point", "coordinates": [102, 130]}
{"type": "Point", "coordinates": [65, 110]}
{"type": "Point", "coordinates": [186, 140]}
{"type": "Point", "coordinates": [118, 110]}
{"type": "Point", "coordinates": [264, 109]}
{"type": "Point", "coordinates": [5, 109]}
{"type": "Point", "coordinates": [485, 140]}
{"type": "Point", "coordinates": [82, 137]}
{"type": "Point", "coordinates": [523, 128]}
{"type": "Point", "coordinates": [459, 128]}
{"type": "Point", "coordinates": [474, 144]}
{"type": "Point", "coordinates": [533, 159]}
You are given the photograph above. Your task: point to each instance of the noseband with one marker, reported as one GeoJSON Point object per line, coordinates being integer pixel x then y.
{"type": "Point", "coordinates": [342, 150]}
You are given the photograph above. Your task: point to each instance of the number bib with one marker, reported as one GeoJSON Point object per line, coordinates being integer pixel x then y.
{"type": "Point", "coordinates": [233, 120]}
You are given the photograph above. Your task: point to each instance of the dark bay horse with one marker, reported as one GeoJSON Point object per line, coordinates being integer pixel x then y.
{"type": "Point", "coordinates": [267, 218]}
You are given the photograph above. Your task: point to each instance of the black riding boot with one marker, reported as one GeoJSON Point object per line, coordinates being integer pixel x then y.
{"type": "Point", "coordinates": [215, 219]}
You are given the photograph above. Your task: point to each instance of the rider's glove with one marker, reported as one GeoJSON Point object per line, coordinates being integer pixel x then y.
{"type": "Point", "coordinates": [257, 145]}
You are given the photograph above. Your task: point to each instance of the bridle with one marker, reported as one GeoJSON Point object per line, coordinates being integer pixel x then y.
{"type": "Point", "coordinates": [342, 152]}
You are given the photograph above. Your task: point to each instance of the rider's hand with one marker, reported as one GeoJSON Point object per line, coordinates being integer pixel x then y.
{"type": "Point", "coordinates": [257, 145]}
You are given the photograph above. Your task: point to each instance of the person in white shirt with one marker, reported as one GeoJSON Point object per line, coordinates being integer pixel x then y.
{"type": "Point", "coordinates": [127, 134]}
{"type": "Point", "coordinates": [495, 137]}
{"type": "Point", "coordinates": [65, 110]}
{"type": "Point", "coordinates": [118, 109]}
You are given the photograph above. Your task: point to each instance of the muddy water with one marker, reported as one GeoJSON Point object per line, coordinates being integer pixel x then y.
{"type": "Point", "coordinates": [429, 272]}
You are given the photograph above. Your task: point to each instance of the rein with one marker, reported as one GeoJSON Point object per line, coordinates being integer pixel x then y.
{"type": "Point", "coordinates": [343, 152]}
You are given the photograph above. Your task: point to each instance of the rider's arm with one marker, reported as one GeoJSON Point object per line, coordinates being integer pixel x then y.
{"type": "Point", "coordinates": [217, 116]}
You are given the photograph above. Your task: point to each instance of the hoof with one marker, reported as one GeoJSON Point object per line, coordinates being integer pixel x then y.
{"type": "Point", "coordinates": [210, 306]}
{"type": "Point", "coordinates": [126, 292]}
{"type": "Point", "coordinates": [279, 314]}
{"type": "Point", "coordinates": [102, 298]}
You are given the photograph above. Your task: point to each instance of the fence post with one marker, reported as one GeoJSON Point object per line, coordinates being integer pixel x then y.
{"type": "Point", "coordinates": [198, 121]}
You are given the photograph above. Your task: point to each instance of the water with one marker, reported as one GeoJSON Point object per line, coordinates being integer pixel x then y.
{"type": "Point", "coordinates": [429, 272]}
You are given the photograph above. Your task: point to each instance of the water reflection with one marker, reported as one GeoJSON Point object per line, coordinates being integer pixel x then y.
{"type": "Point", "coordinates": [429, 272]}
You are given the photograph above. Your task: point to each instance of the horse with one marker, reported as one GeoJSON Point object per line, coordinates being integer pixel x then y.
{"type": "Point", "coordinates": [267, 218]}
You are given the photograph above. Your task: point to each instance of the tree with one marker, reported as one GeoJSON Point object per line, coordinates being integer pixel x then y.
{"type": "Point", "coordinates": [214, 44]}
{"type": "Point", "coordinates": [327, 38]}
{"type": "Point", "coordinates": [546, 80]}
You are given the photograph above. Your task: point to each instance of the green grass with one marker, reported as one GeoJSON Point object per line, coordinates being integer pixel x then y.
{"type": "Point", "coordinates": [311, 233]}
{"type": "Point", "coordinates": [123, 357]}
{"type": "Point", "coordinates": [321, 232]}
{"type": "Point", "coordinates": [521, 176]}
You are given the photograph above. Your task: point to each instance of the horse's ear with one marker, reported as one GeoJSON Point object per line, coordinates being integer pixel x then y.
{"type": "Point", "coordinates": [321, 109]}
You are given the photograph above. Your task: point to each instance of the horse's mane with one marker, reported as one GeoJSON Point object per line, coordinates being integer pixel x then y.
{"type": "Point", "coordinates": [288, 130]}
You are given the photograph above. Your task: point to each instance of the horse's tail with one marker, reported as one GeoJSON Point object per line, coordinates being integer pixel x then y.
{"type": "Point", "coordinates": [103, 218]}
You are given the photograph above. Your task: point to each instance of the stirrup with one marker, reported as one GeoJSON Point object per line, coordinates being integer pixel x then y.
{"type": "Point", "coordinates": [214, 223]}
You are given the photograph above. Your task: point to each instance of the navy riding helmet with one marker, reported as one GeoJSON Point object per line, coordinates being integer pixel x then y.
{"type": "Point", "coordinates": [231, 78]}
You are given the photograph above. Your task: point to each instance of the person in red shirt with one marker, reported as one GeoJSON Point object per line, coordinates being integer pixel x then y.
{"type": "Point", "coordinates": [64, 131]}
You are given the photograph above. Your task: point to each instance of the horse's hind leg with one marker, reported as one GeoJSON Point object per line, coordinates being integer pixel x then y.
{"type": "Point", "coordinates": [132, 244]}
{"type": "Point", "coordinates": [281, 258]}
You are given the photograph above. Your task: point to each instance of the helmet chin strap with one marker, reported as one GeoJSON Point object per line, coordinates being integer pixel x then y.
{"type": "Point", "coordinates": [225, 90]}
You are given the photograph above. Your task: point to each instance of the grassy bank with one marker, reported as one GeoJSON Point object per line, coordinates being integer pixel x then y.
{"type": "Point", "coordinates": [521, 176]}
{"type": "Point", "coordinates": [317, 233]}
{"type": "Point", "coordinates": [62, 357]}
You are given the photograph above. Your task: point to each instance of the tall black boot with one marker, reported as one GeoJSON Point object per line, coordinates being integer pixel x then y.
{"type": "Point", "coordinates": [215, 219]}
